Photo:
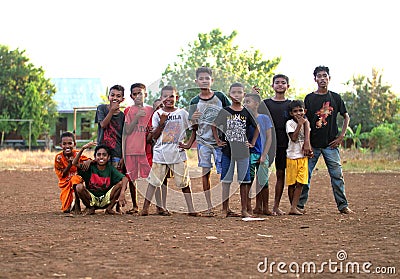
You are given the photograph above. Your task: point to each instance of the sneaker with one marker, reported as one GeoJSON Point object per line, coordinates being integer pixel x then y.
{"type": "Point", "coordinates": [346, 210]}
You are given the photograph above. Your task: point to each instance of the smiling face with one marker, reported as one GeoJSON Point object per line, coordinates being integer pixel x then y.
{"type": "Point", "coordinates": [297, 112]}
{"type": "Point", "coordinates": [67, 144]}
{"type": "Point", "coordinates": [280, 85]}
{"type": "Point", "coordinates": [102, 157]}
{"type": "Point", "coordinates": [116, 96]}
{"type": "Point", "coordinates": [169, 98]}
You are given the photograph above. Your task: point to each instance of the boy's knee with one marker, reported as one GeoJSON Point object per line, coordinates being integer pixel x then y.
{"type": "Point", "coordinates": [79, 187]}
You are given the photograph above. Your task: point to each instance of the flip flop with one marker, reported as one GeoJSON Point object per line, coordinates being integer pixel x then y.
{"type": "Point", "coordinates": [132, 211]}
{"type": "Point", "coordinates": [209, 214]}
{"type": "Point", "coordinates": [164, 213]}
{"type": "Point", "coordinates": [233, 214]}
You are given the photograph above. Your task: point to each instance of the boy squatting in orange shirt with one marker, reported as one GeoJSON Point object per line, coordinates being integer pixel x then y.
{"type": "Point", "coordinates": [67, 173]}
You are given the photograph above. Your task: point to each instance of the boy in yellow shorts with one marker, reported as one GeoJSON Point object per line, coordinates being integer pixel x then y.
{"type": "Point", "coordinates": [299, 148]}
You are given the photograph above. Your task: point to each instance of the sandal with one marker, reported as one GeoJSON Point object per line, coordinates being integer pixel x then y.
{"type": "Point", "coordinates": [231, 213]}
{"type": "Point", "coordinates": [132, 211]}
{"type": "Point", "coordinates": [209, 213]}
{"type": "Point", "coordinates": [164, 213]}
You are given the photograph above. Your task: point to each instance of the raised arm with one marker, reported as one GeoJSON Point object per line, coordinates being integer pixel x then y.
{"type": "Point", "coordinates": [88, 145]}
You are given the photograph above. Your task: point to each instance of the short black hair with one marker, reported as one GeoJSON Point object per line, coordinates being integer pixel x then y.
{"type": "Point", "coordinates": [255, 97]}
{"type": "Point", "coordinates": [236, 84]}
{"type": "Point", "coordinates": [321, 69]}
{"type": "Point", "coordinates": [203, 69]}
{"type": "Point", "coordinates": [101, 146]}
{"type": "Point", "coordinates": [68, 135]}
{"type": "Point", "coordinates": [118, 88]}
{"type": "Point", "coordinates": [169, 87]}
{"type": "Point", "coordinates": [139, 85]}
{"type": "Point", "coordinates": [280, 76]}
{"type": "Point", "coordinates": [296, 103]}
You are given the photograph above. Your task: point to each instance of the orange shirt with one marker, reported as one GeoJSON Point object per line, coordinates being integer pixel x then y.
{"type": "Point", "coordinates": [65, 183]}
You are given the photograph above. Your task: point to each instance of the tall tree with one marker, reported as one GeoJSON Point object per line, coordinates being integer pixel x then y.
{"type": "Point", "coordinates": [229, 64]}
{"type": "Point", "coordinates": [25, 93]}
{"type": "Point", "coordinates": [370, 103]}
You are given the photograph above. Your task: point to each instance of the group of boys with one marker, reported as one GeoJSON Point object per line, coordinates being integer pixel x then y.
{"type": "Point", "coordinates": [147, 142]}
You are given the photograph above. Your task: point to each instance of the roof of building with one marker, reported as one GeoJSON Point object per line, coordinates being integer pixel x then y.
{"type": "Point", "coordinates": [77, 92]}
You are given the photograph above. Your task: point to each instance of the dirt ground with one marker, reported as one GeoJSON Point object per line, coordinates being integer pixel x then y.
{"type": "Point", "coordinates": [39, 241]}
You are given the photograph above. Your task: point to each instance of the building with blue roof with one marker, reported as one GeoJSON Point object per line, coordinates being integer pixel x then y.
{"type": "Point", "coordinates": [77, 99]}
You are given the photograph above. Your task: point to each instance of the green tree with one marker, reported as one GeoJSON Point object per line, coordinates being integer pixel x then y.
{"type": "Point", "coordinates": [385, 137]}
{"type": "Point", "coordinates": [229, 64]}
{"type": "Point", "coordinates": [370, 103]}
{"type": "Point", "coordinates": [25, 93]}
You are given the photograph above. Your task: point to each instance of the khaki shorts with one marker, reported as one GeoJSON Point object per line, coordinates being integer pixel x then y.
{"type": "Point", "coordinates": [297, 171]}
{"type": "Point", "coordinates": [103, 201]}
{"type": "Point", "coordinates": [159, 172]}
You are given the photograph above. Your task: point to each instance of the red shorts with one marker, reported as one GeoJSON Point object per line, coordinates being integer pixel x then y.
{"type": "Point", "coordinates": [137, 166]}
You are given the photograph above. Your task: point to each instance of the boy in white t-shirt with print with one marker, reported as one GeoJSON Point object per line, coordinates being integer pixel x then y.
{"type": "Point", "coordinates": [169, 129]}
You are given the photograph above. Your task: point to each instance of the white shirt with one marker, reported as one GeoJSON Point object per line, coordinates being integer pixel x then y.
{"type": "Point", "coordinates": [295, 148]}
{"type": "Point", "coordinates": [166, 149]}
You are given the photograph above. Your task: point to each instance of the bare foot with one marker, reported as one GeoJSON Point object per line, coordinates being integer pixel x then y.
{"type": "Point", "coordinates": [278, 212]}
{"type": "Point", "coordinates": [77, 211]}
{"type": "Point", "coordinates": [144, 212]}
{"type": "Point", "coordinates": [90, 210]}
{"type": "Point", "coordinates": [110, 211]}
{"type": "Point", "coordinates": [267, 212]}
{"type": "Point", "coordinates": [294, 211]}
{"type": "Point", "coordinates": [262, 212]}
{"type": "Point", "coordinates": [246, 214]}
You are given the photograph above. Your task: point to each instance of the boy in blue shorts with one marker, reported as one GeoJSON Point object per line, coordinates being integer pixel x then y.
{"type": "Point", "coordinates": [234, 124]}
{"type": "Point", "coordinates": [259, 154]}
{"type": "Point", "coordinates": [202, 111]}
{"type": "Point", "coordinates": [102, 185]}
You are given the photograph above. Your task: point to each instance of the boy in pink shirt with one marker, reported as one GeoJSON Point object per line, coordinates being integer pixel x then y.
{"type": "Point", "coordinates": [136, 145]}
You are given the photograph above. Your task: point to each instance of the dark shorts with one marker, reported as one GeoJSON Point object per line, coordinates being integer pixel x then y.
{"type": "Point", "coordinates": [280, 158]}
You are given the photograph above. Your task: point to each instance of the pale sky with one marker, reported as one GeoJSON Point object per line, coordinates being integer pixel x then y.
{"type": "Point", "coordinates": [123, 42]}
